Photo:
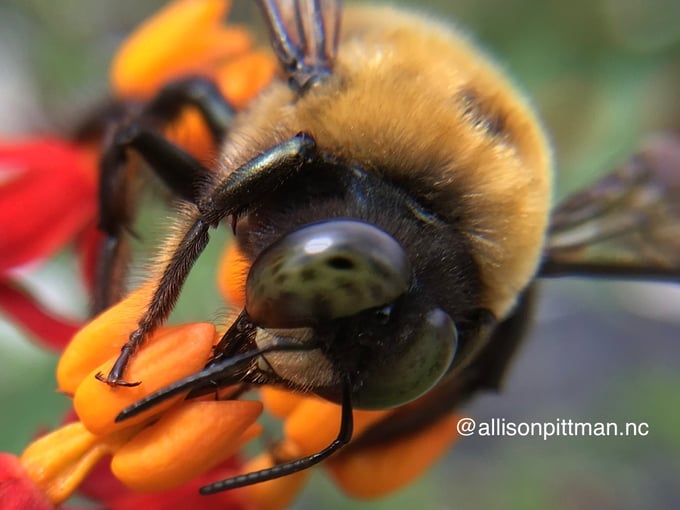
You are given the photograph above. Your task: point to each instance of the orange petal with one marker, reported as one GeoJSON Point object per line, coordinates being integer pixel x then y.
{"type": "Point", "coordinates": [253, 431]}
{"type": "Point", "coordinates": [184, 443]}
{"type": "Point", "coordinates": [231, 275]}
{"type": "Point", "coordinates": [315, 423]}
{"type": "Point", "coordinates": [375, 472]}
{"type": "Point", "coordinates": [280, 403]}
{"type": "Point", "coordinates": [243, 77]}
{"type": "Point", "coordinates": [101, 339]}
{"type": "Point", "coordinates": [279, 493]}
{"type": "Point", "coordinates": [59, 461]}
{"type": "Point", "coordinates": [186, 37]}
{"type": "Point", "coordinates": [191, 133]}
{"type": "Point", "coordinates": [172, 353]}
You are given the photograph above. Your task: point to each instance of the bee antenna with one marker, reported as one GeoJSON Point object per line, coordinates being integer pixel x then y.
{"type": "Point", "coordinates": [288, 468]}
{"type": "Point", "coordinates": [289, 54]}
{"type": "Point", "coordinates": [214, 372]}
{"type": "Point", "coordinates": [304, 35]}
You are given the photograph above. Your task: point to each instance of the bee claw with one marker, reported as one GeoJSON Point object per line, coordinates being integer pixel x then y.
{"type": "Point", "coordinates": [114, 381]}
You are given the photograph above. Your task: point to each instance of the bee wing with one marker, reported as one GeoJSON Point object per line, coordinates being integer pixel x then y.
{"type": "Point", "coordinates": [304, 35]}
{"type": "Point", "coordinates": [627, 224]}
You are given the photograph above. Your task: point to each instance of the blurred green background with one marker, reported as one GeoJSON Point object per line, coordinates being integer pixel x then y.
{"type": "Point", "coordinates": [603, 74]}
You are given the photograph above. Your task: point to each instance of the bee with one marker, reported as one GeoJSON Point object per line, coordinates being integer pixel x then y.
{"type": "Point", "coordinates": [392, 192]}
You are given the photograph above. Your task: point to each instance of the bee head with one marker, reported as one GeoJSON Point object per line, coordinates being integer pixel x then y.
{"type": "Point", "coordinates": [349, 286]}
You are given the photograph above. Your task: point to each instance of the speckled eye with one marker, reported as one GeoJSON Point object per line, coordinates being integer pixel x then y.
{"type": "Point", "coordinates": [325, 271]}
{"type": "Point", "coordinates": [414, 371]}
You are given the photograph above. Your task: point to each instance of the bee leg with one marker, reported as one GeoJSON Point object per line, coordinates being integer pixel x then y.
{"type": "Point", "coordinates": [196, 91]}
{"type": "Point", "coordinates": [178, 170]}
{"type": "Point", "coordinates": [344, 436]}
{"type": "Point", "coordinates": [258, 178]}
{"type": "Point", "coordinates": [245, 186]}
{"type": "Point", "coordinates": [226, 372]}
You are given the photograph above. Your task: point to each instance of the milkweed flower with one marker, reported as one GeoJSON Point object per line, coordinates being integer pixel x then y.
{"type": "Point", "coordinates": [185, 443]}
{"type": "Point", "coordinates": [163, 449]}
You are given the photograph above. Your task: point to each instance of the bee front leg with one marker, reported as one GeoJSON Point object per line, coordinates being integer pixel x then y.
{"type": "Point", "coordinates": [247, 185]}
{"type": "Point", "coordinates": [288, 468]}
{"type": "Point", "coordinates": [178, 170]}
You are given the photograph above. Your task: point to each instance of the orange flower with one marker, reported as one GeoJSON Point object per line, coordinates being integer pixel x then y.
{"type": "Point", "coordinates": [54, 465]}
{"type": "Point", "coordinates": [160, 449]}
{"type": "Point", "coordinates": [176, 441]}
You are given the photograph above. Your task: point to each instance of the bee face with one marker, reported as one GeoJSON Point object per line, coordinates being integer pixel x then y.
{"type": "Point", "coordinates": [341, 281]}
{"type": "Point", "coordinates": [369, 320]}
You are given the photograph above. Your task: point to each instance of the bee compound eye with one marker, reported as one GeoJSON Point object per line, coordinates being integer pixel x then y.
{"type": "Point", "coordinates": [325, 271]}
{"type": "Point", "coordinates": [418, 368]}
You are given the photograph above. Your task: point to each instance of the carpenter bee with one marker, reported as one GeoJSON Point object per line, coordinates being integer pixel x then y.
{"type": "Point", "coordinates": [392, 194]}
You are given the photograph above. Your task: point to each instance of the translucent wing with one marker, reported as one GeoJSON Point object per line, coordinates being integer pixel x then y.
{"type": "Point", "coordinates": [627, 224]}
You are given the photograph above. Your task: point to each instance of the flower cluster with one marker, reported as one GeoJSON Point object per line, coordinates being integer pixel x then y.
{"type": "Point", "coordinates": [159, 458]}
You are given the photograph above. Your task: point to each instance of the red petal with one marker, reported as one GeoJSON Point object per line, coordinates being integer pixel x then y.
{"type": "Point", "coordinates": [48, 194]}
{"type": "Point", "coordinates": [103, 487]}
{"type": "Point", "coordinates": [100, 485]}
{"type": "Point", "coordinates": [23, 309]}
{"type": "Point", "coordinates": [17, 491]}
